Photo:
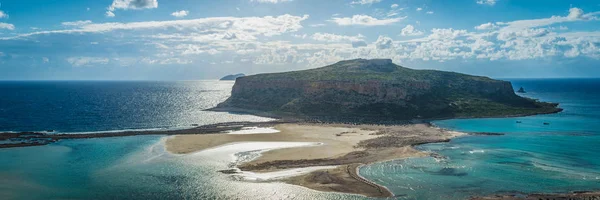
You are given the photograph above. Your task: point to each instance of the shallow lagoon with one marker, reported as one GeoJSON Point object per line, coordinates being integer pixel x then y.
{"type": "Point", "coordinates": [530, 157]}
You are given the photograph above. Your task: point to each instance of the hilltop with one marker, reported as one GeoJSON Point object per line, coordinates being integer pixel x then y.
{"type": "Point", "coordinates": [232, 77]}
{"type": "Point", "coordinates": [379, 89]}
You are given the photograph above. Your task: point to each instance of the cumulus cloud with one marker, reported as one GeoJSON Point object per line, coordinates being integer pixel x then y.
{"type": "Point", "coordinates": [7, 26]}
{"type": "Point", "coordinates": [575, 13]}
{"type": "Point", "coordinates": [446, 33]}
{"type": "Point", "coordinates": [410, 30]}
{"type": "Point", "coordinates": [394, 6]}
{"type": "Point", "coordinates": [363, 20]}
{"type": "Point", "coordinates": [487, 2]}
{"type": "Point", "coordinates": [130, 5]}
{"type": "Point", "coordinates": [77, 23]}
{"type": "Point", "coordinates": [419, 9]}
{"type": "Point", "coordinates": [248, 40]}
{"type": "Point", "coordinates": [486, 26]}
{"type": "Point", "coordinates": [384, 42]}
{"type": "Point", "coordinates": [363, 2]}
{"type": "Point", "coordinates": [3, 14]}
{"type": "Point", "coordinates": [181, 13]}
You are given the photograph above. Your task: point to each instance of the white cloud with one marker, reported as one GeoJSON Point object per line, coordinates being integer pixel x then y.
{"type": "Point", "coordinates": [86, 61]}
{"type": "Point", "coordinates": [7, 26]}
{"type": "Point", "coordinates": [487, 2]}
{"type": "Point", "coordinates": [486, 26]}
{"type": "Point", "coordinates": [247, 40]}
{"type": "Point", "coordinates": [181, 13]}
{"type": "Point", "coordinates": [419, 9]}
{"type": "Point", "coordinates": [45, 59]}
{"type": "Point", "coordinates": [394, 6]}
{"type": "Point", "coordinates": [215, 28]}
{"type": "Point", "coordinates": [429, 12]}
{"type": "Point", "coordinates": [384, 42]}
{"type": "Point", "coordinates": [3, 15]}
{"type": "Point", "coordinates": [410, 30]}
{"type": "Point", "coordinates": [328, 37]}
{"type": "Point", "coordinates": [363, 20]}
{"type": "Point", "coordinates": [110, 13]}
{"type": "Point", "coordinates": [364, 2]}
{"type": "Point", "coordinates": [575, 13]}
{"type": "Point", "coordinates": [130, 5]}
{"type": "Point", "coordinates": [317, 25]}
{"type": "Point", "coordinates": [77, 23]}
{"type": "Point", "coordinates": [270, 1]}
{"type": "Point", "coordinates": [446, 33]}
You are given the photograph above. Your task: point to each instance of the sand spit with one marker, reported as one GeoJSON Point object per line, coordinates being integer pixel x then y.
{"type": "Point", "coordinates": [331, 166]}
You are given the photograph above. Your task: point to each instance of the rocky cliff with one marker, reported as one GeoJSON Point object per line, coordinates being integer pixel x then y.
{"type": "Point", "coordinates": [380, 89]}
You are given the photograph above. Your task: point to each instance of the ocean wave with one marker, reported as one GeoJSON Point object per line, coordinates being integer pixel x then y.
{"type": "Point", "coordinates": [477, 151]}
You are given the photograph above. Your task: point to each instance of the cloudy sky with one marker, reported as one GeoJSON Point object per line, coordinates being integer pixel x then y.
{"type": "Point", "coordinates": [206, 39]}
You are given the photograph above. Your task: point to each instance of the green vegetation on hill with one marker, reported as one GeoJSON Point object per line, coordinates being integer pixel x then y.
{"type": "Point", "coordinates": [380, 89]}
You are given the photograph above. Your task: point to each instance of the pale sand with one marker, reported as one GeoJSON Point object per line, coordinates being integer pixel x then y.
{"type": "Point", "coordinates": [344, 146]}
{"type": "Point", "coordinates": [333, 145]}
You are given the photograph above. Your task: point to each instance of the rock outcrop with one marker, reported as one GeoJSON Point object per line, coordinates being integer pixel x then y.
{"type": "Point", "coordinates": [380, 89]}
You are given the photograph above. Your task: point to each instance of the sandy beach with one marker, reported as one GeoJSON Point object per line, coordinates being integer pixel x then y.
{"type": "Point", "coordinates": [341, 149]}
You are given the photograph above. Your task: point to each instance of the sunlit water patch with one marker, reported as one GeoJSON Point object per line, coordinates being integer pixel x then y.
{"type": "Point", "coordinates": [138, 168]}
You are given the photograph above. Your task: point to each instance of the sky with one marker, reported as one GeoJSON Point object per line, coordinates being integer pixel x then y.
{"type": "Point", "coordinates": [207, 39]}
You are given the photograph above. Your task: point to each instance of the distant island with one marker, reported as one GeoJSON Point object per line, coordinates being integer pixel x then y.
{"type": "Point", "coordinates": [379, 90]}
{"type": "Point", "coordinates": [232, 77]}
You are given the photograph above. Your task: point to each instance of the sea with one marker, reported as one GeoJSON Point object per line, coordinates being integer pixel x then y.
{"type": "Point", "coordinates": [540, 154]}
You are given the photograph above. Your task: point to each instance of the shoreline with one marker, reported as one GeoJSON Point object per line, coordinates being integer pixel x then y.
{"type": "Point", "coordinates": [344, 147]}
{"type": "Point", "coordinates": [25, 139]}
{"type": "Point", "coordinates": [324, 119]}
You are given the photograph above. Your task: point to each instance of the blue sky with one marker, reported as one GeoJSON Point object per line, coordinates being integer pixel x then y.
{"type": "Point", "coordinates": [201, 39]}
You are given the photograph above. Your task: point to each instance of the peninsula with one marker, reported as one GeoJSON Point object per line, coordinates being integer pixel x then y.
{"type": "Point", "coordinates": [378, 90]}
{"type": "Point", "coordinates": [232, 77]}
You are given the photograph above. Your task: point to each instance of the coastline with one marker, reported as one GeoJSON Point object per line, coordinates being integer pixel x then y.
{"type": "Point", "coordinates": [323, 119]}
{"type": "Point", "coordinates": [25, 139]}
{"type": "Point", "coordinates": [345, 147]}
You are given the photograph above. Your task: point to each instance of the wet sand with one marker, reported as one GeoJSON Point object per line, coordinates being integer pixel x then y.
{"type": "Point", "coordinates": [344, 146]}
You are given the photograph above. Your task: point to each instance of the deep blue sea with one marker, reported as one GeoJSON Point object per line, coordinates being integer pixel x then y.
{"type": "Point", "coordinates": [91, 106]}
{"type": "Point", "coordinates": [531, 157]}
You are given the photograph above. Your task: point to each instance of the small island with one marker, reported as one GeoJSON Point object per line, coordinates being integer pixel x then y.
{"type": "Point", "coordinates": [232, 77]}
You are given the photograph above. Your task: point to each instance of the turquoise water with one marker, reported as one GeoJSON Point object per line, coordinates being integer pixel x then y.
{"type": "Point", "coordinates": [128, 168]}
{"type": "Point", "coordinates": [531, 157]}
